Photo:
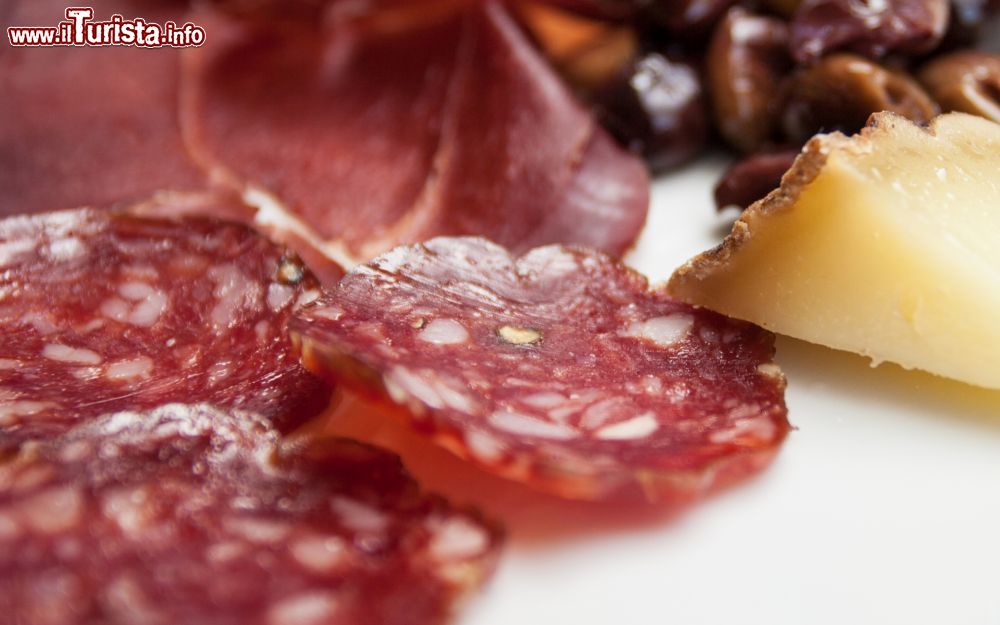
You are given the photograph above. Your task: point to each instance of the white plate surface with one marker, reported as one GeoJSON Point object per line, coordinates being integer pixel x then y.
{"type": "Point", "coordinates": [883, 507]}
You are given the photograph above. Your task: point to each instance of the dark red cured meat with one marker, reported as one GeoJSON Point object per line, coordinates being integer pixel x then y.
{"type": "Point", "coordinates": [560, 368]}
{"type": "Point", "coordinates": [101, 127]}
{"type": "Point", "coordinates": [601, 9]}
{"type": "Point", "coordinates": [402, 14]}
{"type": "Point", "coordinates": [185, 514]}
{"type": "Point", "coordinates": [375, 133]}
{"type": "Point", "coordinates": [90, 126]}
{"type": "Point", "coordinates": [104, 312]}
{"type": "Point", "coordinates": [229, 207]}
{"type": "Point", "coordinates": [397, 14]}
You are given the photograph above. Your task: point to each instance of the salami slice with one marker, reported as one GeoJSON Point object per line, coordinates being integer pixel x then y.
{"type": "Point", "coordinates": [103, 312]}
{"type": "Point", "coordinates": [188, 514]}
{"type": "Point", "coordinates": [560, 368]}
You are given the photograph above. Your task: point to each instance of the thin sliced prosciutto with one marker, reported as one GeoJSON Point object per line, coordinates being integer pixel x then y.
{"type": "Point", "coordinates": [90, 126]}
{"type": "Point", "coordinates": [377, 131]}
{"type": "Point", "coordinates": [385, 127]}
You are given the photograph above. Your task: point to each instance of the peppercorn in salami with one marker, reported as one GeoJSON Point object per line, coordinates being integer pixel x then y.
{"type": "Point", "coordinates": [103, 312]}
{"type": "Point", "coordinates": [560, 368]}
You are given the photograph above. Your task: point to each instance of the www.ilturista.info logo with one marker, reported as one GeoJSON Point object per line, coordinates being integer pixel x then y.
{"type": "Point", "coordinates": [80, 29]}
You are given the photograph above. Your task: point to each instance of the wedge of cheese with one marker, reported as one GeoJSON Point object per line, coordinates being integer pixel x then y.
{"type": "Point", "coordinates": [886, 244]}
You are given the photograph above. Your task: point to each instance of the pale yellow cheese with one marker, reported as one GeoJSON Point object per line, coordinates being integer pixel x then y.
{"type": "Point", "coordinates": [886, 244]}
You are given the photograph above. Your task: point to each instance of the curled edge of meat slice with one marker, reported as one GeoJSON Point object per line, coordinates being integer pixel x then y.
{"type": "Point", "coordinates": [667, 399]}
{"type": "Point", "coordinates": [500, 147]}
{"type": "Point", "coordinates": [226, 205]}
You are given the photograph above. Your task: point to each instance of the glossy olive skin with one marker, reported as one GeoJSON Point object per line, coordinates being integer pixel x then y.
{"type": "Point", "coordinates": [751, 178]}
{"type": "Point", "coordinates": [841, 91]}
{"type": "Point", "coordinates": [747, 59]}
{"type": "Point", "coordinates": [784, 8]}
{"type": "Point", "coordinates": [967, 81]}
{"type": "Point", "coordinates": [656, 107]}
{"type": "Point", "coordinates": [871, 29]}
{"type": "Point", "coordinates": [688, 20]}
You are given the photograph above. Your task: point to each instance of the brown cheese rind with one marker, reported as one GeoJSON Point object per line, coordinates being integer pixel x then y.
{"type": "Point", "coordinates": [559, 368]}
{"type": "Point", "coordinates": [804, 170]}
{"type": "Point", "coordinates": [188, 514]}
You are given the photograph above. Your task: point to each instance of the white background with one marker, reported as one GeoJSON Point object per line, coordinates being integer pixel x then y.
{"type": "Point", "coordinates": [882, 508]}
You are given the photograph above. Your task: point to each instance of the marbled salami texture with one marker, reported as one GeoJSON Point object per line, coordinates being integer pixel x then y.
{"type": "Point", "coordinates": [190, 514]}
{"type": "Point", "coordinates": [104, 312]}
{"type": "Point", "coordinates": [560, 368]}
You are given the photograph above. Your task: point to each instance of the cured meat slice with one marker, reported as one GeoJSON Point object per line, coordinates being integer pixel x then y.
{"type": "Point", "coordinates": [602, 9]}
{"type": "Point", "coordinates": [103, 312]}
{"type": "Point", "coordinates": [560, 368]}
{"type": "Point", "coordinates": [90, 126]}
{"type": "Point", "coordinates": [217, 204]}
{"type": "Point", "coordinates": [371, 133]}
{"type": "Point", "coordinates": [394, 14]}
{"type": "Point", "coordinates": [188, 514]}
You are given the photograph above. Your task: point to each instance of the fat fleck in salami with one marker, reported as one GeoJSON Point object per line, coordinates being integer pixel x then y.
{"type": "Point", "coordinates": [105, 312]}
{"type": "Point", "coordinates": [560, 368]}
{"type": "Point", "coordinates": [188, 514]}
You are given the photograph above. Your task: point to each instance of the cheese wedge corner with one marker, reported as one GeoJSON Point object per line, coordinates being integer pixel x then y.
{"type": "Point", "coordinates": [885, 243]}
